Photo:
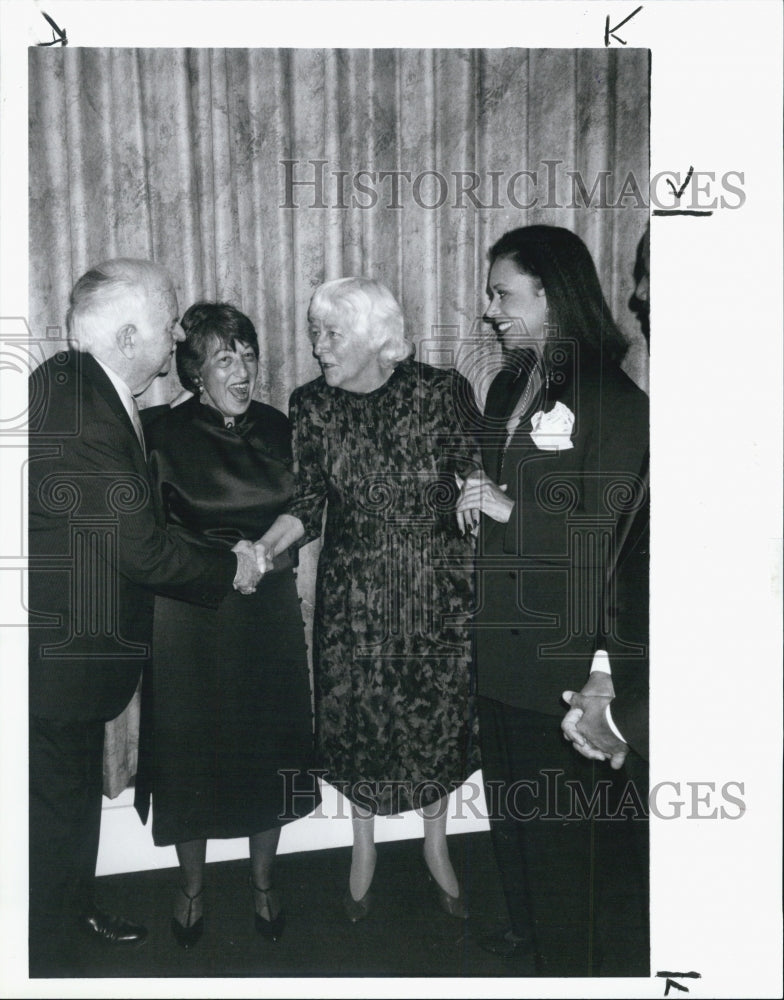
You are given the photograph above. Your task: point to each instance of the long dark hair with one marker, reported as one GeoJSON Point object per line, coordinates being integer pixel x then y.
{"type": "Point", "coordinates": [563, 264]}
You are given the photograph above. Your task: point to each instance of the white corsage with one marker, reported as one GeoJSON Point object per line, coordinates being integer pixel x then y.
{"type": "Point", "coordinates": [553, 431]}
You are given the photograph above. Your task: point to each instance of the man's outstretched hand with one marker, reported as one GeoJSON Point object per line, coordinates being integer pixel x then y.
{"type": "Point", "coordinates": [248, 573]}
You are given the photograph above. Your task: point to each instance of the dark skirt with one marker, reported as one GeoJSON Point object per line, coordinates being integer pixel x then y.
{"type": "Point", "coordinates": [232, 740]}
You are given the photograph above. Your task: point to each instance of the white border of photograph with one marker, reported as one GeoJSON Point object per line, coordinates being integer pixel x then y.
{"type": "Point", "coordinates": [716, 436]}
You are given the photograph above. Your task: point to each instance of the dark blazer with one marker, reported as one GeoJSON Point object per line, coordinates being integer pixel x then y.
{"type": "Point", "coordinates": [627, 601]}
{"type": "Point", "coordinates": [547, 588]}
{"type": "Point", "coordinates": [97, 549]}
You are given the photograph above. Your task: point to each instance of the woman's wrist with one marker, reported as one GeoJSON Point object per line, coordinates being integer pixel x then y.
{"type": "Point", "coordinates": [285, 530]}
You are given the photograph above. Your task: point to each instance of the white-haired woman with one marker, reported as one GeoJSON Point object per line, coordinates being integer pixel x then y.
{"type": "Point", "coordinates": [378, 439]}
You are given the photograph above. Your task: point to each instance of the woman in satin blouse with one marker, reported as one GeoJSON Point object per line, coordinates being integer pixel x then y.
{"type": "Point", "coordinates": [228, 707]}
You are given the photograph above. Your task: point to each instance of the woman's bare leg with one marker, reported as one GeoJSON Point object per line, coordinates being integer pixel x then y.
{"type": "Point", "coordinates": [436, 852]}
{"type": "Point", "coordinates": [363, 854]}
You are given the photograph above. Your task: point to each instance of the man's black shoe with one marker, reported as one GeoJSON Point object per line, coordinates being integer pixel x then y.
{"type": "Point", "coordinates": [111, 930]}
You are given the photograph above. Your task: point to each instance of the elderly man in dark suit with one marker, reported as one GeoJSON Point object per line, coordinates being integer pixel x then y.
{"type": "Point", "coordinates": [98, 554]}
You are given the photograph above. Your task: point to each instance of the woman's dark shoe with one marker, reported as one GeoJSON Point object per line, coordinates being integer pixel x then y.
{"type": "Point", "coordinates": [186, 935]}
{"type": "Point", "coordinates": [356, 909]}
{"type": "Point", "coordinates": [452, 905]}
{"type": "Point", "coordinates": [266, 901]}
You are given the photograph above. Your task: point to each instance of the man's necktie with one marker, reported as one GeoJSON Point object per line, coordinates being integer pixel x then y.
{"type": "Point", "coordinates": [136, 420]}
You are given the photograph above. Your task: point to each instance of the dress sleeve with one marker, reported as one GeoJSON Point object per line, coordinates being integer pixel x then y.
{"type": "Point", "coordinates": [163, 442]}
{"type": "Point", "coordinates": [464, 423]}
{"type": "Point", "coordinates": [307, 441]}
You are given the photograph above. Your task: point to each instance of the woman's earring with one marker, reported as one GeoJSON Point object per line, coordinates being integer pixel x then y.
{"type": "Point", "coordinates": [549, 325]}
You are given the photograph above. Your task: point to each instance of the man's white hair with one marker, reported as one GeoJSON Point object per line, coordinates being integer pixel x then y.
{"type": "Point", "coordinates": [106, 297]}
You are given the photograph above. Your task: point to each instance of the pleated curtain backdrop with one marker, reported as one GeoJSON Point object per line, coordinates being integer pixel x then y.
{"type": "Point", "coordinates": [242, 172]}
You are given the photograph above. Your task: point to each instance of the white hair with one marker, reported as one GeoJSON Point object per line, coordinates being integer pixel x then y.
{"type": "Point", "coordinates": [107, 296]}
{"type": "Point", "coordinates": [371, 309]}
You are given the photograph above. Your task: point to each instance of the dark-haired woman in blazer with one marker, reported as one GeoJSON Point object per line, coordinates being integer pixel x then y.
{"type": "Point", "coordinates": [565, 458]}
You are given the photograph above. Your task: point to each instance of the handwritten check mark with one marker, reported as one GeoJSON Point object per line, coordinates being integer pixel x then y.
{"type": "Point", "coordinates": [678, 192]}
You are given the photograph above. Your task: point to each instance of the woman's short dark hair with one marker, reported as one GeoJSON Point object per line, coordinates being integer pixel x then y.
{"type": "Point", "coordinates": [203, 323]}
{"type": "Point", "coordinates": [563, 264]}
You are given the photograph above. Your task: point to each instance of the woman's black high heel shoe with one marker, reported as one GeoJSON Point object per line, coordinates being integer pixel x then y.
{"type": "Point", "coordinates": [356, 909]}
{"type": "Point", "coordinates": [271, 929]}
{"type": "Point", "coordinates": [186, 935]}
{"type": "Point", "coordinates": [454, 906]}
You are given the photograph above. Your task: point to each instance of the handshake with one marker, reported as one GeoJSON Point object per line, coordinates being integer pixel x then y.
{"type": "Point", "coordinates": [253, 561]}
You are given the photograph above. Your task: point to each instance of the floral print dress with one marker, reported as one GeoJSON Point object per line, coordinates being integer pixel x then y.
{"type": "Point", "coordinates": [394, 705]}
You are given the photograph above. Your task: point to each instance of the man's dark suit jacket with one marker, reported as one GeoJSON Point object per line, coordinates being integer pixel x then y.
{"type": "Point", "coordinates": [551, 586]}
{"type": "Point", "coordinates": [628, 599]}
{"type": "Point", "coordinates": [98, 552]}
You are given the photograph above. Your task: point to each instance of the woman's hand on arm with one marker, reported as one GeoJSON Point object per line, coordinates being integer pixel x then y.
{"type": "Point", "coordinates": [478, 492]}
{"type": "Point", "coordinates": [285, 530]}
